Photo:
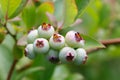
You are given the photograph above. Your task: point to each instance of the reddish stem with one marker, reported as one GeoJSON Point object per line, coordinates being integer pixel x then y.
{"type": "Point", "coordinates": [11, 69]}
{"type": "Point", "coordinates": [106, 43]}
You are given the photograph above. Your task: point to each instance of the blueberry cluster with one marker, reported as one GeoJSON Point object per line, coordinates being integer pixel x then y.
{"type": "Point", "coordinates": [58, 48]}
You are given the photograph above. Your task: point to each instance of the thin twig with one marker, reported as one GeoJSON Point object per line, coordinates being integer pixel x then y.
{"type": "Point", "coordinates": [110, 41]}
{"type": "Point", "coordinates": [106, 43]}
{"type": "Point", "coordinates": [15, 60]}
{"type": "Point", "coordinates": [12, 69]}
{"type": "Point", "coordinates": [8, 32]}
{"type": "Point", "coordinates": [14, 36]}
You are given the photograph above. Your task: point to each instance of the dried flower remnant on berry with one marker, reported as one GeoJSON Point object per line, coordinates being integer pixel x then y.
{"type": "Point", "coordinates": [78, 38]}
{"type": "Point", "coordinates": [56, 38]}
{"type": "Point", "coordinates": [46, 26]}
{"type": "Point", "coordinates": [85, 59]}
{"type": "Point", "coordinates": [69, 57]}
{"type": "Point", "coordinates": [25, 52]}
{"type": "Point", "coordinates": [39, 44]}
{"type": "Point", "coordinates": [54, 59]}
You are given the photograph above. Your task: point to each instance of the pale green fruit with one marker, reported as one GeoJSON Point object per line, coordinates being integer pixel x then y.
{"type": "Point", "coordinates": [57, 41]}
{"type": "Point", "coordinates": [32, 35]}
{"type": "Point", "coordinates": [41, 46]}
{"type": "Point", "coordinates": [29, 52]}
{"type": "Point", "coordinates": [74, 40]}
{"type": "Point", "coordinates": [67, 55]}
{"type": "Point", "coordinates": [81, 56]}
{"type": "Point", "coordinates": [53, 56]}
{"type": "Point", "coordinates": [45, 31]}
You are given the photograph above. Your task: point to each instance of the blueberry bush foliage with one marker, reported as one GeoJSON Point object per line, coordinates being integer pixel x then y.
{"type": "Point", "coordinates": [97, 22]}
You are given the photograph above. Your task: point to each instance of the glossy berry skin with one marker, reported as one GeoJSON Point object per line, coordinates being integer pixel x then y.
{"type": "Point", "coordinates": [32, 35]}
{"type": "Point", "coordinates": [29, 52]}
{"type": "Point", "coordinates": [53, 56]}
{"type": "Point", "coordinates": [41, 46]}
{"type": "Point", "coordinates": [73, 39]}
{"type": "Point", "coordinates": [81, 56]}
{"type": "Point", "coordinates": [45, 31]}
{"type": "Point", "coordinates": [57, 41]}
{"type": "Point", "coordinates": [67, 55]}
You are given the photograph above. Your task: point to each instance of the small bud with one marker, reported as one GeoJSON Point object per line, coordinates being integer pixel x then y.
{"type": "Point", "coordinates": [67, 55]}
{"type": "Point", "coordinates": [53, 56]}
{"type": "Point", "coordinates": [57, 41]}
{"type": "Point", "coordinates": [81, 56]}
{"type": "Point", "coordinates": [73, 39]}
{"type": "Point", "coordinates": [41, 46]}
{"type": "Point", "coordinates": [45, 31]}
{"type": "Point", "coordinates": [33, 34]}
{"type": "Point", "coordinates": [29, 52]}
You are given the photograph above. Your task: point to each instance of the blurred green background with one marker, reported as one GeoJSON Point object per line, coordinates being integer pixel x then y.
{"type": "Point", "coordinates": [100, 20]}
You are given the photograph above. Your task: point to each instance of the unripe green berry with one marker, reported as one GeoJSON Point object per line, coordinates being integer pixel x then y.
{"type": "Point", "coordinates": [81, 56]}
{"type": "Point", "coordinates": [32, 35]}
{"type": "Point", "coordinates": [53, 56]}
{"type": "Point", "coordinates": [57, 41]}
{"type": "Point", "coordinates": [73, 39]}
{"type": "Point", "coordinates": [41, 46]}
{"type": "Point", "coordinates": [67, 55]}
{"type": "Point", "coordinates": [29, 52]}
{"type": "Point", "coordinates": [45, 31]}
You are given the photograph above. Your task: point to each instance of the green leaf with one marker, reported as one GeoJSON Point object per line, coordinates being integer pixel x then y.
{"type": "Point", "coordinates": [61, 73]}
{"type": "Point", "coordinates": [65, 10]}
{"type": "Point", "coordinates": [41, 12]}
{"type": "Point", "coordinates": [29, 15]}
{"type": "Point", "coordinates": [6, 61]}
{"type": "Point", "coordinates": [41, 60]}
{"type": "Point", "coordinates": [81, 6]}
{"type": "Point", "coordinates": [91, 15]}
{"type": "Point", "coordinates": [11, 29]}
{"type": "Point", "coordinates": [8, 42]}
{"type": "Point", "coordinates": [17, 52]}
{"type": "Point", "coordinates": [11, 8]}
{"type": "Point", "coordinates": [59, 9]}
{"type": "Point", "coordinates": [91, 43]}
{"type": "Point", "coordinates": [6, 56]}
{"type": "Point", "coordinates": [1, 16]}
{"type": "Point", "coordinates": [24, 61]}
{"type": "Point", "coordinates": [75, 76]}
{"type": "Point", "coordinates": [104, 15]}
{"type": "Point", "coordinates": [2, 34]}
{"type": "Point", "coordinates": [70, 12]}
{"type": "Point", "coordinates": [28, 71]}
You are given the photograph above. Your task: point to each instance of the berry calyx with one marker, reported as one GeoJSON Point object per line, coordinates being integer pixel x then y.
{"type": "Point", "coordinates": [46, 26]}
{"type": "Point", "coordinates": [29, 52]}
{"type": "Point", "coordinates": [57, 41]}
{"type": "Point", "coordinates": [78, 38]}
{"type": "Point", "coordinates": [45, 31]}
{"type": "Point", "coordinates": [74, 39]}
{"type": "Point", "coordinates": [67, 55]}
{"type": "Point", "coordinates": [41, 46]}
{"type": "Point", "coordinates": [32, 35]}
